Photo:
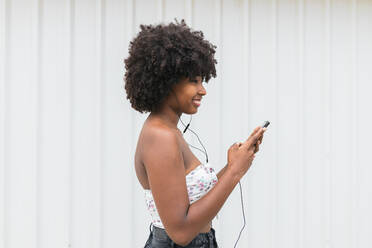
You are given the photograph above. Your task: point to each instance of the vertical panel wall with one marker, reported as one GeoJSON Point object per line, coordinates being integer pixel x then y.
{"type": "Point", "coordinates": [56, 105]}
{"type": "Point", "coordinates": [68, 134]}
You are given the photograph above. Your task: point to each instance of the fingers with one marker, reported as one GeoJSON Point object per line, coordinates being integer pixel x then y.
{"type": "Point", "coordinates": [256, 135]}
{"type": "Point", "coordinates": [253, 142]}
{"type": "Point", "coordinates": [254, 132]}
{"type": "Point", "coordinates": [252, 136]}
{"type": "Point", "coordinates": [259, 142]}
{"type": "Point", "coordinates": [260, 139]}
{"type": "Point", "coordinates": [257, 147]}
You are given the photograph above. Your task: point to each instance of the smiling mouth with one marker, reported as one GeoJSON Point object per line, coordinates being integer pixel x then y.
{"type": "Point", "coordinates": [197, 102]}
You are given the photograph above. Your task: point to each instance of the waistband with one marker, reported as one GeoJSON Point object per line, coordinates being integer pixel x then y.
{"type": "Point", "coordinates": [201, 238]}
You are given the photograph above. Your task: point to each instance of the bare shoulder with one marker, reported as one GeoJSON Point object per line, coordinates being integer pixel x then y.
{"type": "Point", "coordinates": [159, 141]}
{"type": "Point", "coordinates": [154, 132]}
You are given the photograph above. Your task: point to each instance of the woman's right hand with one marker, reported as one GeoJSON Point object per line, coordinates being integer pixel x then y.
{"type": "Point", "coordinates": [241, 154]}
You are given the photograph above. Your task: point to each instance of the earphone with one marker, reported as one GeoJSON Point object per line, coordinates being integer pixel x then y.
{"type": "Point", "coordinates": [206, 155]}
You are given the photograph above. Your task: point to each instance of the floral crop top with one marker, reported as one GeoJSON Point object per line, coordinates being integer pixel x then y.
{"type": "Point", "coordinates": [199, 181]}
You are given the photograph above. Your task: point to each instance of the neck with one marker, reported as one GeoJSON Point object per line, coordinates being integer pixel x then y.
{"type": "Point", "coordinates": [167, 115]}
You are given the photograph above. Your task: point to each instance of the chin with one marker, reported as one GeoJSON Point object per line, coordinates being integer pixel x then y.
{"type": "Point", "coordinates": [191, 111]}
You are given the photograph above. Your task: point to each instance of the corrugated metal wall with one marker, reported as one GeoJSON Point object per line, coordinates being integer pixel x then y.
{"type": "Point", "coordinates": [68, 134]}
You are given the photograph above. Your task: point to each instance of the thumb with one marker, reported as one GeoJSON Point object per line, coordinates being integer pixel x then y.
{"type": "Point", "coordinates": [235, 145]}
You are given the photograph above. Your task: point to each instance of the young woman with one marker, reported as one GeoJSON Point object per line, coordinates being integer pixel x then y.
{"type": "Point", "coordinates": [165, 71]}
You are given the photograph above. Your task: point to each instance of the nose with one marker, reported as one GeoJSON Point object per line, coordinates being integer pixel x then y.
{"type": "Point", "coordinates": [202, 90]}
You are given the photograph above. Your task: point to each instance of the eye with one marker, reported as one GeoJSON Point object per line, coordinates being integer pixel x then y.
{"type": "Point", "coordinates": [195, 80]}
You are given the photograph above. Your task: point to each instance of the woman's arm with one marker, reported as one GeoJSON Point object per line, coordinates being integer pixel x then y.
{"type": "Point", "coordinates": [221, 172]}
{"type": "Point", "coordinates": [166, 173]}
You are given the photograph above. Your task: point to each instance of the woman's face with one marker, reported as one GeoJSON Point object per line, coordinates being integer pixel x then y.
{"type": "Point", "coordinates": [189, 93]}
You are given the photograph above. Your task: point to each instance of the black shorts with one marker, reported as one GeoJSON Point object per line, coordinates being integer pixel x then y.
{"type": "Point", "coordinates": [158, 238]}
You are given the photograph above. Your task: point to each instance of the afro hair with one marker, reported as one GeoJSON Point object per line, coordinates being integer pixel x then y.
{"type": "Point", "coordinates": [159, 57]}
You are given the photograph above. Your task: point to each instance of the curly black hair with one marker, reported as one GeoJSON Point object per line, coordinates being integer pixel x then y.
{"type": "Point", "coordinates": [159, 57]}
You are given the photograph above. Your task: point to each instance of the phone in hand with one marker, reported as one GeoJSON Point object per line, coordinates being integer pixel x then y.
{"type": "Point", "coordinates": [266, 124]}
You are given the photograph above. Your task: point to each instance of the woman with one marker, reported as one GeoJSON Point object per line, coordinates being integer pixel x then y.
{"type": "Point", "coordinates": [165, 70]}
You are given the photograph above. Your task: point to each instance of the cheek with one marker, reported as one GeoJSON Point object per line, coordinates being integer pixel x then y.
{"type": "Point", "coordinates": [190, 92]}
{"type": "Point", "coordinates": [186, 93]}
{"type": "Point", "coordinates": [186, 100]}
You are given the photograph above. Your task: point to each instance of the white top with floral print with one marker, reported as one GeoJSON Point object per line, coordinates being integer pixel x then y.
{"type": "Point", "coordinates": [199, 181]}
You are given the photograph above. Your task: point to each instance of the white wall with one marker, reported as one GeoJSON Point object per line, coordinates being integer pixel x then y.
{"type": "Point", "coordinates": [68, 134]}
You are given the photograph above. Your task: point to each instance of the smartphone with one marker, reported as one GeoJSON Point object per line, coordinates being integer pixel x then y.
{"type": "Point", "coordinates": [266, 124]}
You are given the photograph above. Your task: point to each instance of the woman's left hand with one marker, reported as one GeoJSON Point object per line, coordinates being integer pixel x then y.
{"type": "Point", "coordinates": [259, 142]}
